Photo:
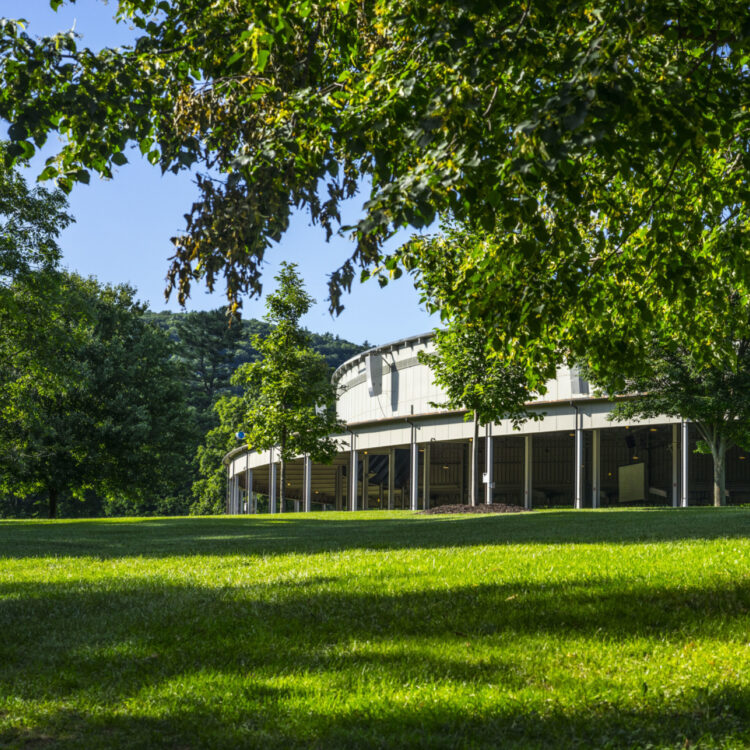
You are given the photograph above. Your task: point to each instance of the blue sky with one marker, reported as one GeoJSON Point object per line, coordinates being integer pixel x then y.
{"type": "Point", "coordinates": [123, 225]}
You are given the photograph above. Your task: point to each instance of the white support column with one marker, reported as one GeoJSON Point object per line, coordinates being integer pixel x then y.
{"type": "Point", "coordinates": [250, 493]}
{"type": "Point", "coordinates": [461, 469]}
{"type": "Point", "coordinates": [237, 495]}
{"type": "Point", "coordinates": [391, 477]}
{"type": "Point", "coordinates": [489, 465]}
{"type": "Point", "coordinates": [271, 482]}
{"type": "Point", "coordinates": [578, 462]}
{"type": "Point", "coordinates": [228, 500]}
{"type": "Point", "coordinates": [414, 470]}
{"type": "Point", "coordinates": [250, 496]}
{"type": "Point", "coordinates": [365, 481]}
{"type": "Point", "coordinates": [338, 488]}
{"type": "Point", "coordinates": [353, 474]}
{"type": "Point", "coordinates": [527, 471]}
{"type": "Point", "coordinates": [685, 451]}
{"type": "Point", "coordinates": [426, 478]}
{"type": "Point", "coordinates": [596, 468]}
{"type": "Point", "coordinates": [308, 484]}
{"type": "Point", "coordinates": [675, 465]}
{"type": "Point", "coordinates": [474, 470]}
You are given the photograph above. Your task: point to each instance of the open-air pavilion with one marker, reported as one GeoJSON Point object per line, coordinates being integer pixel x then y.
{"type": "Point", "coordinates": [399, 451]}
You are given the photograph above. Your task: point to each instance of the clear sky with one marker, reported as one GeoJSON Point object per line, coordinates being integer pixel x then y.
{"type": "Point", "coordinates": [123, 225]}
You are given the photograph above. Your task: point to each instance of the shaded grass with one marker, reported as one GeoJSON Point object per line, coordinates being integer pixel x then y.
{"type": "Point", "coordinates": [552, 629]}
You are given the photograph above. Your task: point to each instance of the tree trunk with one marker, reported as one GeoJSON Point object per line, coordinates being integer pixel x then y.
{"type": "Point", "coordinates": [282, 487]}
{"type": "Point", "coordinates": [719, 454]}
{"type": "Point", "coordinates": [52, 493]}
{"type": "Point", "coordinates": [474, 484]}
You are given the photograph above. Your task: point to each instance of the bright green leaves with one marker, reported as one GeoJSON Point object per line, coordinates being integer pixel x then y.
{"type": "Point", "coordinates": [596, 141]}
{"type": "Point", "coordinates": [474, 377]}
{"type": "Point", "coordinates": [288, 398]}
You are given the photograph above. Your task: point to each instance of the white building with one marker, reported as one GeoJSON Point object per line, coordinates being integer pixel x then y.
{"type": "Point", "coordinates": [400, 451]}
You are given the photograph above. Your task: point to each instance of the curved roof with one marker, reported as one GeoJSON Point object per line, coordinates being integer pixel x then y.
{"type": "Point", "coordinates": [380, 349]}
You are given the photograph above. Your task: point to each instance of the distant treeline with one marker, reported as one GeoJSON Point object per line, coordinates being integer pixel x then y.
{"type": "Point", "coordinates": [213, 349]}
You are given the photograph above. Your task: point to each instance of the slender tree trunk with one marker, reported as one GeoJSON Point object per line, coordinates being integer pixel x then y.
{"type": "Point", "coordinates": [719, 454]}
{"type": "Point", "coordinates": [474, 484]}
{"type": "Point", "coordinates": [53, 494]}
{"type": "Point", "coordinates": [282, 488]}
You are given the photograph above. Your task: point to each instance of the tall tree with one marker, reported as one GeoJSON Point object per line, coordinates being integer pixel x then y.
{"type": "Point", "coordinates": [289, 399]}
{"type": "Point", "coordinates": [108, 414]}
{"type": "Point", "coordinates": [475, 377]}
{"type": "Point", "coordinates": [207, 343]}
{"type": "Point", "coordinates": [30, 223]}
{"type": "Point", "coordinates": [605, 145]}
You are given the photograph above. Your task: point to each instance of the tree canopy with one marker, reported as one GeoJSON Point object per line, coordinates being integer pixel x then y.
{"type": "Point", "coordinates": [475, 377]}
{"type": "Point", "coordinates": [106, 413]}
{"type": "Point", "coordinates": [603, 145]}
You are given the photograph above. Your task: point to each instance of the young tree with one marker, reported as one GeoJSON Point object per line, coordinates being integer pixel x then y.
{"type": "Point", "coordinates": [107, 414]}
{"type": "Point", "coordinates": [478, 379]}
{"type": "Point", "coordinates": [716, 397]}
{"type": "Point", "coordinates": [288, 398]}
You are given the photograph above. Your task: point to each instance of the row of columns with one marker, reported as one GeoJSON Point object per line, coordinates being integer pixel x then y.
{"type": "Point", "coordinates": [680, 458]}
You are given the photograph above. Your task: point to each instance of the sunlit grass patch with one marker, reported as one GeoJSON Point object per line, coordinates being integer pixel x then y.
{"type": "Point", "coordinates": [560, 629]}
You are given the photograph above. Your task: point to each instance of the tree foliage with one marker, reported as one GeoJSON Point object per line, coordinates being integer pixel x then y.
{"type": "Point", "coordinates": [207, 345]}
{"type": "Point", "coordinates": [209, 489]}
{"type": "Point", "coordinates": [714, 394]}
{"type": "Point", "coordinates": [476, 378]}
{"type": "Point", "coordinates": [603, 145]}
{"type": "Point", "coordinates": [289, 402]}
{"type": "Point", "coordinates": [30, 223]}
{"type": "Point", "coordinates": [107, 414]}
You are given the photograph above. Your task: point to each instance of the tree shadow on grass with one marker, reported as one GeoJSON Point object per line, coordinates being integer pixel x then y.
{"type": "Point", "coordinates": [145, 664]}
{"type": "Point", "coordinates": [269, 535]}
{"type": "Point", "coordinates": [712, 723]}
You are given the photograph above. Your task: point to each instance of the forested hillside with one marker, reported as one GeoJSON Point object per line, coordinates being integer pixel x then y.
{"type": "Point", "coordinates": [336, 350]}
{"type": "Point", "coordinates": [213, 350]}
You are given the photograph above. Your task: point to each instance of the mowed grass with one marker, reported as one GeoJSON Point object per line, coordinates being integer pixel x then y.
{"type": "Point", "coordinates": [550, 629]}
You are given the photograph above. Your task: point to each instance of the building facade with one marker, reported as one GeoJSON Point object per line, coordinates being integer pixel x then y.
{"type": "Point", "coordinates": [401, 450]}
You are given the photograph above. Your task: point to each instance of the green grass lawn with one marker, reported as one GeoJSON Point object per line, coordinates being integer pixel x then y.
{"type": "Point", "coordinates": [550, 629]}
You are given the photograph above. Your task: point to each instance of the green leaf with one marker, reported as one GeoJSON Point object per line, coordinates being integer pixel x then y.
{"type": "Point", "coordinates": [236, 56]}
{"type": "Point", "coordinates": [262, 59]}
